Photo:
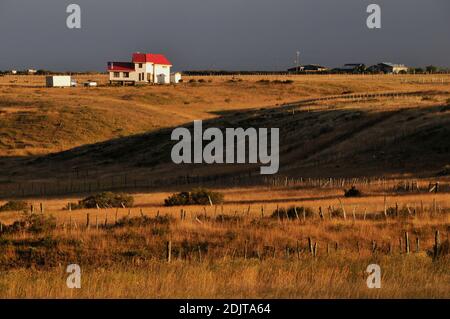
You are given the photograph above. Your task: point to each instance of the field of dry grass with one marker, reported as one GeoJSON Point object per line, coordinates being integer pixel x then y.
{"type": "Point", "coordinates": [59, 145]}
{"type": "Point", "coordinates": [235, 250]}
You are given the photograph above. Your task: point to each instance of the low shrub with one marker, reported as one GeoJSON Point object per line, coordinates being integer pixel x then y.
{"type": "Point", "coordinates": [352, 192]}
{"type": "Point", "coordinates": [337, 213]}
{"type": "Point", "coordinates": [398, 212]}
{"type": "Point", "coordinates": [144, 221]}
{"type": "Point", "coordinates": [222, 218]}
{"type": "Point", "coordinates": [34, 223]}
{"type": "Point", "coordinates": [14, 206]}
{"type": "Point", "coordinates": [199, 196]}
{"type": "Point", "coordinates": [292, 213]}
{"type": "Point", "coordinates": [283, 81]}
{"type": "Point", "coordinates": [104, 200]}
{"type": "Point", "coordinates": [444, 172]}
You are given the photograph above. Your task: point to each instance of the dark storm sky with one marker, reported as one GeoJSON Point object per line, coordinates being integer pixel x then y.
{"type": "Point", "coordinates": [223, 34]}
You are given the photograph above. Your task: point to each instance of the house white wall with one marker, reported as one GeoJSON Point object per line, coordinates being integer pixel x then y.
{"type": "Point", "coordinates": [133, 76]}
{"type": "Point", "coordinates": [162, 74]}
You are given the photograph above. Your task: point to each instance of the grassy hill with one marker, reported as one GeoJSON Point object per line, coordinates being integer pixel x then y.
{"type": "Point", "coordinates": [114, 136]}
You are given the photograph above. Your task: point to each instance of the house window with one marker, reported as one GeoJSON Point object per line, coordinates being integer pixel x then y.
{"type": "Point", "coordinates": [140, 65]}
{"type": "Point", "coordinates": [117, 74]}
{"type": "Point", "coordinates": [126, 74]}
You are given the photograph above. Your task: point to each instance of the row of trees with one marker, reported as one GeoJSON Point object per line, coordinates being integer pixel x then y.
{"type": "Point", "coordinates": [46, 72]}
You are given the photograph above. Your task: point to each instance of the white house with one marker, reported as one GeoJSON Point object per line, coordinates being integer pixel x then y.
{"type": "Point", "coordinates": [144, 68]}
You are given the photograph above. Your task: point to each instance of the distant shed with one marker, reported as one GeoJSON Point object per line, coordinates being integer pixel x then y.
{"type": "Point", "coordinates": [175, 77]}
{"type": "Point", "coordinates": [59, 81]}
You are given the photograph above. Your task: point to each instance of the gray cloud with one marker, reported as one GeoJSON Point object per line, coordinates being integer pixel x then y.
{"type": "Point", "coordinates": [232, 34]}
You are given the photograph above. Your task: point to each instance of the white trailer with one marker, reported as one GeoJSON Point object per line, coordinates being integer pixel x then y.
{"type": "Point", "coordinates": [59, 81]}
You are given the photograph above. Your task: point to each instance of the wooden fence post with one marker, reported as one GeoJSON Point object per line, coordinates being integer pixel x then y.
{"type": "Point", "coordinates": [385, 207]}
{"type": "Point", "coordinates": [87, 221]}
{"type": "Point", "coordinates": [245, 249]}
{"type": "Point", "coordinates": [199, 254]}
{"type": "Point", "coordinates": [310, 245]}
{"type": "Point", "coordinates": [169, 251]}
{"type": "Point", "coordinates": [417, 245]}
{"type": "Point", "coordinates": [437, 244]}
{"type": "Point", "coordinates": [343, 209]}
{"type": "Point", "coordinates": [407, 246]}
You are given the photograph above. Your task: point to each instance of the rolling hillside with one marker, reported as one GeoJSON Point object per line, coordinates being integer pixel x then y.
{"type": "Point", "coordinates": [106, 141]}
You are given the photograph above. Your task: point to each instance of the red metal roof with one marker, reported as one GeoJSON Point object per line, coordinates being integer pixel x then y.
{"type": "Point", "coordinates": [150, 58]}
{"type": "Point", "coordinates": [120, 66]}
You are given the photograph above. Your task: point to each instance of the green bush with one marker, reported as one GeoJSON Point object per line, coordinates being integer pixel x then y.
{"type": "Point", "coordinates": [14, 206]}
{"type": "Point", "coordinates": [199, 196]}
{"type": "Point", "coordinates": [104, 200]}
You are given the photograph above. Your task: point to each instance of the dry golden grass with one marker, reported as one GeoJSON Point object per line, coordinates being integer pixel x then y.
{"type": "Point", "coordinates": [243, 259]}
{"type": "Point", "coordinates": [52, 119]}
{"type": "Point", "coordinates": [251, 255]}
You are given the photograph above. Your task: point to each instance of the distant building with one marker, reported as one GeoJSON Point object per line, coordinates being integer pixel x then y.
{"type": "Point", "coordinates": [14, 72]}
{"type": "Point", "coordinates": [175, 78]}
{"type": "Point", "coordinates": [58, 81]}
{"type": "Point", "coordinates": [351, 68]}
{"type": "Point", "coordinates": [308, 68]}
{"type": "Point", "coordinates": [389, 68]}
{"type": "Point", "coordinates": [31, 71]}
{"type": "Point", "coordinates": [144, 68]}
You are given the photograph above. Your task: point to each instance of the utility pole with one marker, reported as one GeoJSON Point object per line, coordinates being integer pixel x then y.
{"type": "Point", "coordinates": [297, 61]}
